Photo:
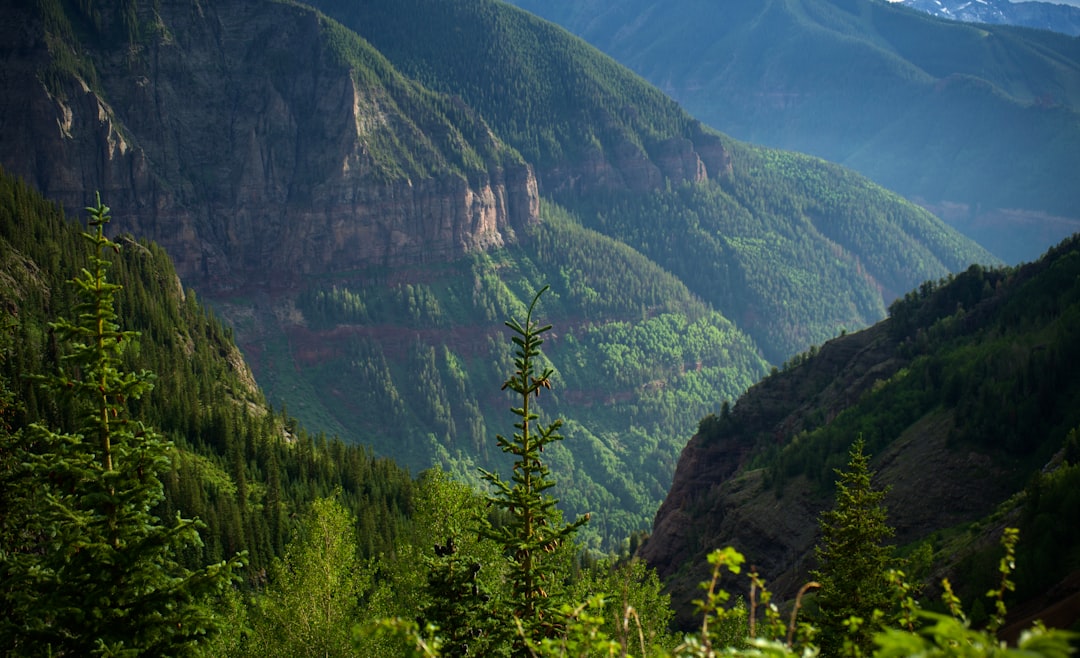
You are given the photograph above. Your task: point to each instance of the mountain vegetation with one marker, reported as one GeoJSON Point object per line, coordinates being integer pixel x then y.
{"type": "Point", "coordinates": [854, 561]}
{"type": "Point", "coordinates": [966, 398]}
{"type": "Point", "coordinates": [363, 210]}
{"type": "Point", "coordinates": [323, 592]}
{"type": "Point", "coordinates": [242, 468]}
{"type": "Point", "coordinates": [86, 566]}
{"type": "Point", "coordinates": [977, 122]}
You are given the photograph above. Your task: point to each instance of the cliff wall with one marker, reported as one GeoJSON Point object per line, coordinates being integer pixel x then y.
{"type": "Point", "coordinates": [257, 142]}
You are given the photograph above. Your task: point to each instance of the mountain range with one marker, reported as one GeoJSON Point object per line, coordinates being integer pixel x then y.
{"type": "Point", "coordinates": [977, 122]}
{"type": "Point", "coordinates": [1062, 18]}
{"type": "Point", "coordinates": [966, 396]}
{"type": "Point", "coordinates": [365, 210]}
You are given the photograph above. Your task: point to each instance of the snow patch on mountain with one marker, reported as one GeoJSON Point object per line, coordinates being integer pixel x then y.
{"type": "Point", "coordinates": [1062, 16]}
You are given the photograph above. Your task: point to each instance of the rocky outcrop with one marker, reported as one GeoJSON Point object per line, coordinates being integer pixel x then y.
{"type": "Point", "coordinates": [933, 479]}
{"type": "Point", "coordinates": [715, 502]}
{"type": "Point", "coordinates": [775, 409]}
{"type": "Point", "coordinates": [627, 166]}
{"type": "Point", "coordinates": [255, 141]}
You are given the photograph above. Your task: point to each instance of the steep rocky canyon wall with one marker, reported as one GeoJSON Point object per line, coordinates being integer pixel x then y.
{"type": "Point", "coordinates": [242, 139]}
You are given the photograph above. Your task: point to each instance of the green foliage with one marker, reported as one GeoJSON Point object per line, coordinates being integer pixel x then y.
{"type": "Point", "coordinates": [951, 635]}
{"type": "Point", "coordinates": [784, 246]}
{"type": "Point", "coordinates": [463, 574]}
{"type": "Point", "coordinates": [533, 532]}
{"type": "Point", "coordinates": [853, 561]}
{"type": "Point", "coordinates": [314, 590]}
{"type": "Point", "coordinates": [546, 95]}
{"type": "Point", "coordinates": [636, 609]}
{"type": "Point", "coordinates": [734, 630]}
{"type": "Point", "coordinates": [791, 247]}
{"type": "Point", "coordinates": [93, 571]}
{"type": "Point", "coordinates": [1051, 509]}
{"type": "Point", "coordinates": [993, 346]}
{"type": "Point", "coordinates": [637, 357]}
{"type": "Point", "coordinates": [243, 470]}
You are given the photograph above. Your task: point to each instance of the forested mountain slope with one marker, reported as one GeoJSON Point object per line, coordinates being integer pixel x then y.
{"type": "Point", "coordinates": [366, 210]}
{"type": "Point", "coordinates": [969, 401]}
{"type": "Point", "coordinates": [977, 122]}
{"type": "Point", "coordinates": [239, 466]}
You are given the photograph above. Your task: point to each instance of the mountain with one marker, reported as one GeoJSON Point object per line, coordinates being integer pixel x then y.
{"type": "Point", "coordinates": [968, 401]}
{"type": "Point", "coordinates": [241, 468]}
{"type": "Point", "coordinates": [249, 134]}
{"type": "Point", "coordinates": [978, 123]}
{"type": "Point", "coordinates": [1040, 15]}
{"type": "Point", "coordinates": [365, 211]}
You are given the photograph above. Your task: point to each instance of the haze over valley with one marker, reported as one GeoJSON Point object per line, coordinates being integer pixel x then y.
{"type": "Point", "coordinates": [761, 230]}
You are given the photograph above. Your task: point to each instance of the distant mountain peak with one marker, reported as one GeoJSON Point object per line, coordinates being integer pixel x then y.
{"type": "Point", "coordinates": [1064, 18]}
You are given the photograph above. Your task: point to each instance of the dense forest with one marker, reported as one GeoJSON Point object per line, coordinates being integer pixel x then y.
{"type": "Point", "coordinates": [486, 297]}
{"type": "Point", "coordinates": [967, 396]}
{"type": "Point", "coordinates": [243, 468]}
{"type": "Point", "coordinates": [155, 506]}
{"type": "Point", "coordinates": [363, 211]}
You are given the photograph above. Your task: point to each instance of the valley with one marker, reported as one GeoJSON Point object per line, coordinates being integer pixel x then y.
{"type": "Point", "coordinates": [327, 217]}
{"type": "Point", "coordinates": [379, 201]}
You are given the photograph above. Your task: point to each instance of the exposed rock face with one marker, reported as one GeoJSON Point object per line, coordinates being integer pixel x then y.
{"type": "Point", "coordinates": [628, 166]}
{"type": "Point", "coordinates": [243, 140]}
{"type": "Point", "coordinates": [713, 502]}
{"type": "Point", "coordinates": [716, 500]}
{"type": "Point", "coordinates": [778, 406]}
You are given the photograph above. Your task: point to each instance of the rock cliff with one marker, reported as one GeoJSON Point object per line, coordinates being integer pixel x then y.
{"type": "Point", "coordinates": [627, 166]}
{"type": "Point", "coordinates": [256, 141]}
{"type": "Point", "coordinates": [717, 500]}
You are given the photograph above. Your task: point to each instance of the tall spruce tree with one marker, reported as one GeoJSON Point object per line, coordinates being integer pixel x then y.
{"type": "Point", "coordinates": [94, 571]}
{"type": "Point", "coordinates": [533, 531]}
{"type": "Point", "coordinates": [853, 561]}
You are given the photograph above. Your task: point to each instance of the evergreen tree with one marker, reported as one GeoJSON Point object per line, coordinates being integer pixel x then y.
{"type": "Point", "coordinates": [94, 571]}
{"type": "Point", "coordinates": [459, 593]}
{"type": "Point", "coordinates": [459, 605]}
{"type": "Point", "coordinates": [853, 562]}
{"type": "Point", "coordinates": [533, 530]}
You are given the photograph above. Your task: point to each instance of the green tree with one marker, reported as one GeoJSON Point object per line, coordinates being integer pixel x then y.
{"type": "Point", "coordinates": [637, 609]}
{"type": "Point", "coordinates": [532, 530]}
{"type": "Point", "coordinates": [460, 595]}
{"type": "Point", "coordinates": [95, 572]}
{"type": "Point", "coordinates": [314, 593]}
{"type": "Point", "coordinates": [853, 561]}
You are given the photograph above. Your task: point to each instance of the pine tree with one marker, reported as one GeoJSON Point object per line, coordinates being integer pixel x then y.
{"type": "Point", "coordinates": [96, 572]}
{"type": "Point", "coordinates": [533, 531]}
{"type": "Point", "coordinates": [853, 561]}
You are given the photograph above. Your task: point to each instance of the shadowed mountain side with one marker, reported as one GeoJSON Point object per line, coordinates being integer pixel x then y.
{"type": "Point", "coordinates": [968, 401]}
{"type": "Point", "coordinates": [251, 134]}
